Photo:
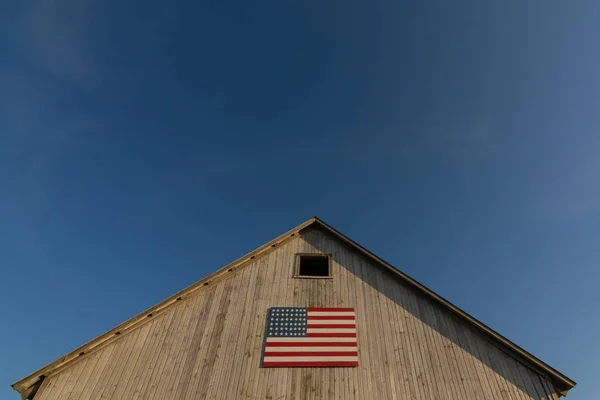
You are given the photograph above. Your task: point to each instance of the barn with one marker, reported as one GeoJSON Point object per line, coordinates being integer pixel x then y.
{"type": "Point", "coordinates": [309, 315]}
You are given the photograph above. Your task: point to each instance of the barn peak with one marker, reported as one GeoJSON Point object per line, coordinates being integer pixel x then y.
{"type": "Point", "coordinates": [30, 384]}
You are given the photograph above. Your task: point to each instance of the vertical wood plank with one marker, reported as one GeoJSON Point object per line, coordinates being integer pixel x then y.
{"type": "Point", "coordinates": [240, 352]}
{"type": "Point", "coordinates": [186, 376]}
{"type": "Point", "coordinates": [84, 378]}
{"type": "Point", "coordinates": [137, 350]}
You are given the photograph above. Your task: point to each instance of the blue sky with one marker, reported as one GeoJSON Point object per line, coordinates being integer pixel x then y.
{"type": "Point", "coordinates": [143, 146]}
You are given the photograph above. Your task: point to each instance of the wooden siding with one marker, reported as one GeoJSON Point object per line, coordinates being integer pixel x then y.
{"type": "Point", "coordinates": [209, 345]}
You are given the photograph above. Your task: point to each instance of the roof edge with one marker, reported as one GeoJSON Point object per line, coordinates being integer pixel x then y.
{"type": "Point", "coordinates": [24, 384]}
{"type": "Point", "coordinates": [566, 382]}
{"type": "Point", "coordinates": [32, 379]}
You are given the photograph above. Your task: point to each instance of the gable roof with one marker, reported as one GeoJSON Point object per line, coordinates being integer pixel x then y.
{"type": "Point", "coordinates": [30, 383]}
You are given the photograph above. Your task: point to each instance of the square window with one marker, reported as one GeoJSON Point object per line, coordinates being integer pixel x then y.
{"type": "Point", "coordinates": [313, 266]}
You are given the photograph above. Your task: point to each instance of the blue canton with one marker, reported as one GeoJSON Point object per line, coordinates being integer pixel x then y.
{"type": "Point", "coordinates": [287, 322]}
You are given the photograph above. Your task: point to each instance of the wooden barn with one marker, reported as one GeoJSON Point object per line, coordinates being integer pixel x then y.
{"type": "Point", "coordinates": [309, 315]}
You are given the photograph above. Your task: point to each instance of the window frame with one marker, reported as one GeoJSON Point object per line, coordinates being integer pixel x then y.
{"type": "Point", "coordinates": [321, 255]}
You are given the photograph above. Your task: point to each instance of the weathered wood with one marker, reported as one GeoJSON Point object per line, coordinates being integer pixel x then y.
{"type": "Point", "coordinates": [139, 347]}
{"type": "Point", "coordinates": [209, 344]}
{"type": "Point", "coordinates": [117, 367]}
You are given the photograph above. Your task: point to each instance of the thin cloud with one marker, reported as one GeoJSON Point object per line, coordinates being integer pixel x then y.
{"type": "Point", "coordinates": [571, 188]}
{"type": "Point", "coordinates": [474, 139]}
{"type": "Point", "coordinates": [55, 35]}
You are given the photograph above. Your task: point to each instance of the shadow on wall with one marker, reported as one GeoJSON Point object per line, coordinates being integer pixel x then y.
{"type": "Point", "coordinates": [442, 321]}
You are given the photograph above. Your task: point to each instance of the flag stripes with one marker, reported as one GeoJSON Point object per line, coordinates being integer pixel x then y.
{"type": "Point", "coordinates": [311, 337]}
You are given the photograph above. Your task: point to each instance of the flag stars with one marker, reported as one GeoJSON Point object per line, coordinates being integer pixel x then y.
{"type": "Point", "coordinates": [287, 321]}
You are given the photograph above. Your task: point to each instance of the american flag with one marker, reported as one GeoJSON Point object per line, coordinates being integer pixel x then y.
{"type": "Point", "coordinates": [311, 337]}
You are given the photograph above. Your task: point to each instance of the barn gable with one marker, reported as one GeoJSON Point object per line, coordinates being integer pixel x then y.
{"type": "Point", "coordinates": [207, 340]}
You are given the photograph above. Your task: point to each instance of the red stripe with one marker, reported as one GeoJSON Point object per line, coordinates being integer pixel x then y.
{"type": "Point", "coordinates": [331, 309]}
{"type": "Point", "coordinates": [331, 326]}
{"type": "Point", "coordinates": [331, 335]}
{"type": "Point", "coordinates": [310, 353]}
{"type": "Point", "coordinates": [342, 317]}
{"type": "Point", "coordinates": [310, 344]}
{"type": "Point", "coordinates": [312, 364]}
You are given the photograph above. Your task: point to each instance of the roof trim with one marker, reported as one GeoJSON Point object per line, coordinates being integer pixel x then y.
{"type": "Point", "coordinates": [33, 379]}
{"type": "Point", "coordinates": [565, 382]}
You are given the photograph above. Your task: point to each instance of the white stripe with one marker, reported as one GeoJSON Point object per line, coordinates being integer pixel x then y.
{"type": "Point", "coordinates": [331, 314]}
{"type": "Point", "coordinates": [309, 349]}
{"type": "Point", "coordinates": [309, 339]}
{"type": "Point", "coordinates": [299, 358]}
{"type": "Point", "coordinates": [332, 321]}
{"type": "Point", "coordinates": [331, 330]}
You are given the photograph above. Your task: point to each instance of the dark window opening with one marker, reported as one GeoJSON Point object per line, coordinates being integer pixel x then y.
{"type": "Point", "coordinates": [313, 266]}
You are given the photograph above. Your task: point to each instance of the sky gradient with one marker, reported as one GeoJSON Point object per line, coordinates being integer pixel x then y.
{"type": "Point", "coordinates": [144, 146]}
